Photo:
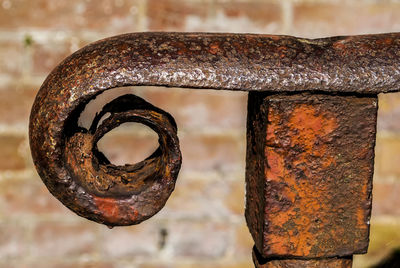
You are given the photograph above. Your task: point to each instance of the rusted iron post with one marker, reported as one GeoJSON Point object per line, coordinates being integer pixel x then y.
{"type": "Point", "coordinates": [311, 133]}
{"type": "Point", "coordinates": [309, 176]}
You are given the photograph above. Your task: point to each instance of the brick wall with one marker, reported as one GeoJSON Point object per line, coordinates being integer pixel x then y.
{"type": "Point", "coordinates": [202, 224]}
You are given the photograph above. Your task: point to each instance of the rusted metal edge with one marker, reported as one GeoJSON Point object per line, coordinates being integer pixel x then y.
{"type": "Point", "coordinates": [363, 64]}
{"type": "Point", "coordinates": [333, 262]}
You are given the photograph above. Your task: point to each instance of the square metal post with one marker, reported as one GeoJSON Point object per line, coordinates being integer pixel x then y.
{"type": "Point", "coordinates": [310, 161]}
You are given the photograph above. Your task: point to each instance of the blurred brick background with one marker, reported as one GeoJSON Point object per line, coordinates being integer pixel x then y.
{"type": "Point", "coordinates": [202, 224]}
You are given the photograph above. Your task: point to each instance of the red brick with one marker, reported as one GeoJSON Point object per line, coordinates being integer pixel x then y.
{"type": "Point", "coordinates": [212, 153]}
{"type": "Point", "coordinates": [233, 16]}
{"type": "Point", "coordinates": [122, 242]}
{"type": "Point", "coordinates": [387, 157]}
{"type": "Point", "coordinates": [200, 152]}
{"type": "Point", "coordinates": [15, 104]}
{"type": "Point", "coordinates": [205, 198]}
{"type": "Point", "coordinates": [10, 158]}
{"type": "Point", "coordinates": [11, 55]}
{"type": "Point", "coordinates": [199, 109]}
{"type": "Point", "coordinates": [386, 198]}
{"type": "Point", "coordinates": [66, 264]}
{"type": "Point", "coordinates": [389, 112]}
{"type": "Point", "coordinates": [103, 15]}
{"type": "Point", "coordinates": [13, 241]}
{"type": "Point", "coordinates": [64, 240]}
{"type": "Point", "coordinates": [21, 197]}
{"type": "Point", "coordinates": [224, 264]}
{"type": "Point", "coordinates": [235, 200]}
{"type": "Point", "coordinates": [248, 16]}
{"type": "Point", "coordinates": [317, 19]}
{"type": "Point", "coordinates": [158, 265]}
{"type": "Point", "coordinates": [199, 240]}
{"type": "Point", "coordinates": [196, 203]}
{"type": "Point", "coordinates": [243, 242]}
{"type": "Point", "coordinates": [231, 263]}
{"type": "Point", "coordinates": [129, 148]}
{"type": "Point", "coordinates": [47, 56]}
{"type": "Point", "coordinates": [172, 14]}
{"type": "Point", "coordinates": [11, 264]}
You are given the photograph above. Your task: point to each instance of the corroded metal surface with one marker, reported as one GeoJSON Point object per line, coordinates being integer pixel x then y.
{"type": "Point", "coordinates": [260, 262]}
{"type": "Point", "coordinates": [364, 64]}
{"type": "Point", "coordinates": [309, 173]}
{"type": "Point", "coordinates": [94, 188]}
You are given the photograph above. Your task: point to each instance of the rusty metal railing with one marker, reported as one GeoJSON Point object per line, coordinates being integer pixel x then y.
{"type": "Point", "coordinates": [310, 133]}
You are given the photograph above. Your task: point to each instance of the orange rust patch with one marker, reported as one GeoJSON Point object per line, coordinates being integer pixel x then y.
{"type": "Point", "coordinates": [214, 48]}
{"type": "Point", "coordinates": [275, 168]}
{"type": "Point", "coordinates": [111, 209]}
{"type": "Point", "coordinates": [108, 207]}
{"type": "Point", "coordinates": [384, 42]}
{"type": "Point", "coordinates": [316, 174]}
{"type": "Point", "coordinates": [306, 128]}
{"type": "Point", "coordinates": [311, 131]}
{"type": "Point", "coordinates": [282, 51]}
{"type": "Point", "coordinates": [339, 45]}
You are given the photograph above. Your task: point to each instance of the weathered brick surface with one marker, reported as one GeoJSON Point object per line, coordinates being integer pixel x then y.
{"type": "Point", "coordinates": [11, 54]}
{"type": "Point", "coordinates": [131, 242]}
{"type": "Point", "coordinates": [232, 199]}
{"type": "Point", "coordinates": [20, 197]}
{"type": "Point", "coordinates": [387, 157]}
{"type": "Point", "coordinates": [249, 16]}
{"type": "Point", "coordinates": [386, 198]}
{"type": "Point", "coordinates": [10, 155]}
{"type": "Point", "coordinates": [243, 242]}
{"type": "Point", "coordinates": [199, 240]}
{"type": "Point", "coordinates": [389, 113]}
{"type": "Point", "coordinates": [204, 264]}
{"type": "Point", "coordinates": [214, 198]}
{"type": "Point", "coordinates": [212, 153]}
{"type": "Point", "coordinates": [64, 264]}
{"type": "Point", "coordinates": [327, 18]}
{"type": "Point", "coordinates": [13, 241]}
{"type": "Point", "coordinates": [170, 15]}
{"type": "Point", "coordinates": [58, 240]}
{"type": "Point", "coordinates": [207, 15]}
{"type": "Point", "coordinates": [46, 56]}
{"type": "Point", "coordinates": [114, 16]}
{"type": "Point", "coordinates": [202, 224]}
{"type": "Point", "coordinates": [15, 103]}
{"type": "Point", "coordinates": [196, 109]}
{"type": "Point", "coordinates": [201, 152]}
{"type": "Point", "coordinates": [124, 148]}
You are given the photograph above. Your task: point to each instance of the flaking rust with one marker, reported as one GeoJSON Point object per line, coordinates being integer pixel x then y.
{"type": "Point", "coordinates": [309, 173]}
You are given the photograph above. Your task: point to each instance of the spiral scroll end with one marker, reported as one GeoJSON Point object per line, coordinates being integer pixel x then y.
{"type": "Point", "coordinates": [101, 191]}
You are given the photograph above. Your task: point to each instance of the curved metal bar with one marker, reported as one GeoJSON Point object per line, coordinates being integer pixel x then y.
{"type": "Point", "coordinates": [358, 64]}
{"type": "Point", "coordinates": [87, 183]}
